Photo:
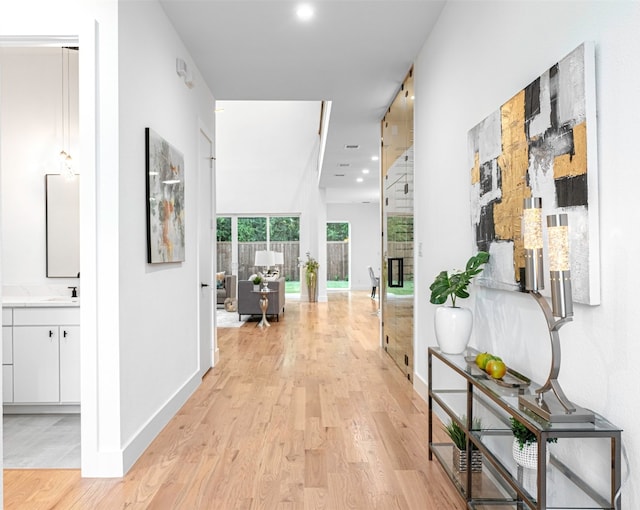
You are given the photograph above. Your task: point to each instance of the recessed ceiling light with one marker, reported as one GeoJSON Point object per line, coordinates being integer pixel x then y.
{"type": "Point", "coordinates": [365, 170]}
{"type": "Point", "coordinates": [359, 179]}
{"type": "Point", "coordinates": [374, 158]}
{"type": "Point", "coordinates": [304, 12]}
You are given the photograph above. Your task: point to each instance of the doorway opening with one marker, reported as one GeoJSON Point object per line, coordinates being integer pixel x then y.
{"type": "Point", "coordinates": [39, 147]}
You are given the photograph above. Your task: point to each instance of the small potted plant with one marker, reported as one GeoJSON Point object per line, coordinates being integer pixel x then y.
{"type": "Point", "coordinates": [459, 438]}
{"type": "Point", "coordinates": [453, 323]}
{"type": "Point", "coordinates": [525, 445]}
{"type": "Point", "coordinates": [257, 280]}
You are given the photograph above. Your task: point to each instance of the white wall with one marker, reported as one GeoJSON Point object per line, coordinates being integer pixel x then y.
{"type": "Point", "coordinates": [365, 239]}
{"type": "Point", "coordinates": [266, 163]}
{"type": "Point", "coordinates": [479, 55]}
{"type": "Point", "coordinates": [158, 306]}
{"type": "Point", "coordinates": [266, 155]}
{"type": "Point", "coordinates": [31, 136]}
{"type": "Point", "coordinates": [121, 412]}
{"type": "Point", "coordinates": [77, 20]}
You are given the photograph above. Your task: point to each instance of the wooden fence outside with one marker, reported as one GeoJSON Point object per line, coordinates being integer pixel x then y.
{"type": "Point", "coordinates": [337, 259]}
{"type": "Point", "coordinates": [247, 254]}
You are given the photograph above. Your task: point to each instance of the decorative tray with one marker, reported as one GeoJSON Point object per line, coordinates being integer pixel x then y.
{"type": "Point", "coordinates": [511, 379]}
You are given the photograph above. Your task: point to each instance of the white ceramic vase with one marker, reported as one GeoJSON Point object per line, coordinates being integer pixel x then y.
{"type": "Point", "coordinates": [453, 328]}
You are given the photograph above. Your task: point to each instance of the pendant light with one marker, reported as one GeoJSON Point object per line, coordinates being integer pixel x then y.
{"type": "Point", "coordinates": [65, 156]}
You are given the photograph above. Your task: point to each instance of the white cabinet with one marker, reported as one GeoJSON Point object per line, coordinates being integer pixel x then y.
{"type": "Point", "coordinates": [7, 345]}
{"type": "Point", "coordinates": [7, 355]}
{"type": "Point", "coordinates": [36, 369]}
{"type": "Point", "coordinates": [7, 383]}
{"type": "Point", "coordinates": [46, 356]}
{"type": "Point", "coordinates": [69, 338]}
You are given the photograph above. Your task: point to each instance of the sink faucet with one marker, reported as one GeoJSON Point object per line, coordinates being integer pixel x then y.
{"type": "Point", "coordinates": [74, 291]}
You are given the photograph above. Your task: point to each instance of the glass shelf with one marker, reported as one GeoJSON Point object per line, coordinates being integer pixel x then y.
{"type": "Point", "coordinates": [508, 397]}
{"type": "Point", "coordinates": [502, 483]}
{"type": "Point", "coordinates": [499, 505]}
{"type": "Point", "coordinates": [485, 485]}
{"type": "Point", "coordinates": [562, 492]}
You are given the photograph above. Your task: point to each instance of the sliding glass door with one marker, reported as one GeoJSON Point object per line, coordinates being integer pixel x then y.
{"type": "Point", "coordinates": [252, 236]}
{"type": "Point", "coordinates": [239, 237]}
{"type": "Point", "coordinates": [224, 260]}
{"type": "Point", "coordinates": [284, 237]}
{"type": "Point", "coordinates": [337, 255]}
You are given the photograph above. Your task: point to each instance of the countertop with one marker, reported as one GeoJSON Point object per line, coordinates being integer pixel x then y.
{"type": "Point", "coordinates": [39, 301]}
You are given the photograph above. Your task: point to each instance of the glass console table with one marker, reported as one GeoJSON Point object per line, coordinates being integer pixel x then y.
{"type": "Point", "coordinates": [583, 468]}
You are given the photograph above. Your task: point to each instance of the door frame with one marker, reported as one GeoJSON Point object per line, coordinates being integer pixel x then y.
{"type": "Point", "coordinates": [208, 342]}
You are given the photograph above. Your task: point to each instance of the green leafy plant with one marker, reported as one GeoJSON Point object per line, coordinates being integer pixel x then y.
{"type": "Point", "coordinates": [524, 436]}
{"type": "Point", "coordinates": [311, 267]}
{"type": "Point", "coordinates": [455, 283]}
{"type": "Point", "coordinates": [458, 436]}
{"type": "Point", "coordinates": [257, 280]}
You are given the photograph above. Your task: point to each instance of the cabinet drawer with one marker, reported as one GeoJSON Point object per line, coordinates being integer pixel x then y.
{"type": "Point", "coordinates": [7, 383]}
{"type": "Point", "coordinates": [7, 345]}
{"type": "Point", "coordinates": [7, 316]}
{"type": "Point", "coordinates": [46, 316]}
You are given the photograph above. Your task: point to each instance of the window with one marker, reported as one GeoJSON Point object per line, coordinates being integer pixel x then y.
{"type": "Point", "coordinates": [337, 255]}
{"type": "Point", "coordinates": [252, 236]}
{"type": "Point", "coordinates": [243, 236]}
{"type": "Point", "coordinates": [224, 245]}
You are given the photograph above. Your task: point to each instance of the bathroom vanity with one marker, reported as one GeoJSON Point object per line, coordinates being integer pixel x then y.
{"type": "Point", "coordinates": [41, 354]}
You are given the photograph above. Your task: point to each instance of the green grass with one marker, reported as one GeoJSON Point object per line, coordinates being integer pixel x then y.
{"type": "Point", "coordinates": [407, 290]}
{"type": "Point", "coordinates": [294, 287]}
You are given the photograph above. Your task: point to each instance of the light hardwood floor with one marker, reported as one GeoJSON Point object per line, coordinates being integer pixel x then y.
{"type": "Point", "coordinates": [309, 414]}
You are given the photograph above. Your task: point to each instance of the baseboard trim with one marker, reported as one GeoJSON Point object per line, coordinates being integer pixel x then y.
{"type": "Point", "coordinates": [41, 408]}
{"type": "Point", "coordinates": [148, 432]}
{"type": "Point", "coordinates": [421, 387]}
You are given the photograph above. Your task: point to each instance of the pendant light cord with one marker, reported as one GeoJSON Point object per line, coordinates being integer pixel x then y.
{"type": "Point", "coordinates": [62, 151]}
{"type": "Point", "coordinates": [68, 110]}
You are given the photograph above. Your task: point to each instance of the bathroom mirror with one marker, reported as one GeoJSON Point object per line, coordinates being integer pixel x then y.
{"type": "Point", "coordinates": [63, 226]}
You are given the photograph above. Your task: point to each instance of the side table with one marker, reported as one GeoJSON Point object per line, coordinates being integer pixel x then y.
{"type": "Point", "coordinates": [264, 304]}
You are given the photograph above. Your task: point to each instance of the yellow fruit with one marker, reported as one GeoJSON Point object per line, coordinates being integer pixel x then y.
{"type": "Point", "coordinates": [481, 359]}
{"type": "Point", "coordinates": [496, 368]}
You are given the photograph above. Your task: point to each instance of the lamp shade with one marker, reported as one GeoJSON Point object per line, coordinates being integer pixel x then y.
{"type": "Point", "coordinates": [264, 258]}
{"type": "Point", "coordinates": [532, 243]}
{"type": "Point", "coordinates": [558, 231]}
{"type": "Point", "coordinates": [278, 257]}
{"type": "Point", "coordinates": [559, 269]}
{"type": "Point", "coordinates": [532, 223]}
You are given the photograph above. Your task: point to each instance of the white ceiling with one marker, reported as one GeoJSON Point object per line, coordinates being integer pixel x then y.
{"type": "Point", "coordinates": [354, 53]}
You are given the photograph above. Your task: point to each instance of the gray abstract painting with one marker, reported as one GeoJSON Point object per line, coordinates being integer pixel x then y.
{"type": "Point", "coordinates": [540, 143]}
{"type": "Point", "coordinates": [165, 200]}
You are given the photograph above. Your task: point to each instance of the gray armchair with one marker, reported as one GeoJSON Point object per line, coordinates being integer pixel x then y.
{"type": "Point", "coordinates": [249, 301]}
{"type": "Point", "coordinates": [225, 287]}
